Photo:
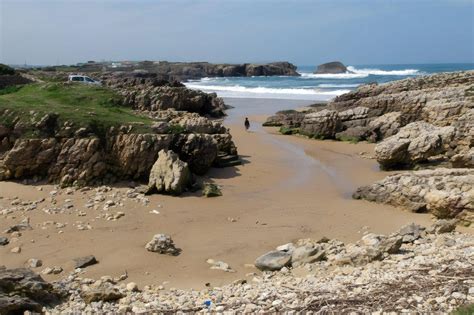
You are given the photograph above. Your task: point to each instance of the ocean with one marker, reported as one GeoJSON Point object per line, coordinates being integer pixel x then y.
{"type": "Point", "coordinates": [316, 87]}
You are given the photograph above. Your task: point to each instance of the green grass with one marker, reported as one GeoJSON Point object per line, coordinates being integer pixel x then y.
{"type": "Point", "coordinates": [347, 139]}
{"type": "Point", "coordinates": [288, 131]}
{"type": "Point", "coordinates": [464, 310]}
{"type": "Point", "coordinates": [176, 129]}
{"type": "Point", "coordinates": [83, 105]}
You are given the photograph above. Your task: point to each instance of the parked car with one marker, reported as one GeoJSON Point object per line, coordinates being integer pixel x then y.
{"type": "Point", "coordinates": [83, 79]}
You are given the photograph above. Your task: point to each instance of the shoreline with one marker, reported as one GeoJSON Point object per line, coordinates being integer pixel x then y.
{"type": "Point", "coordinates": [269, 205]}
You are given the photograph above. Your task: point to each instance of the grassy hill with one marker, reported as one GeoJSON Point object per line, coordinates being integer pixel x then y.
{"type": "Point", "coordinates": [79, 104]}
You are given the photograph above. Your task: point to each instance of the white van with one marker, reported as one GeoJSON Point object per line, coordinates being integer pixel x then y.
{"type": "Point", "coordinates": [82, 79]}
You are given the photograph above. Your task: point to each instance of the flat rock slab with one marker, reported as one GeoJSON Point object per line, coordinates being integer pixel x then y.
{"type": "Point", "coordinates": [85, 261]}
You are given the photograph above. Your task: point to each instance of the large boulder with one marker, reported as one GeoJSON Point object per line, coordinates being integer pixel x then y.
{"type": "Point", "coordinates": [169, 174]}
{"type": "Point", "coordinates": [331, 68]}
{"type": "Point", "coordinates": [414, 143]}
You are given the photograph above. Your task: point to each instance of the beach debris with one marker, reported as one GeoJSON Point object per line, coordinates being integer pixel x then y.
{"type": "Point", "coordinates": [219, 265]}
{"type": "Point", "coordinates": [34, 263]}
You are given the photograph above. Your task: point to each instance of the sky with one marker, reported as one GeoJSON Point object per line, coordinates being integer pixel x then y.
{"type": "Point", "coordinates": [304, 32]}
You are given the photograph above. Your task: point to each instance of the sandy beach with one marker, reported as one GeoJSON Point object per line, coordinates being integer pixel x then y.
{"type": "Point", "coordinates": [288, 188]}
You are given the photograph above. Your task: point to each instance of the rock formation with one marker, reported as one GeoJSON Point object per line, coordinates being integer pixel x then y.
{"type": "Point", "coordinates": [331, 67]}
{"type": "Point", "coordinates": [446, 193]}
{"type": "Point", "coordinates": [169, 174]}
{"type": "Point", "coordinates": [147, 92]}
{"type": "Point", "coordinates": [195, 70]}
{"type": "Point", "coordinates": [440, 103]}
{"type": "Point", "coordinates": [46, 146]}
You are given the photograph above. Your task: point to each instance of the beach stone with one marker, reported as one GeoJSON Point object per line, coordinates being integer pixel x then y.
{"type": "Point", "coordinates": [169, 174]}
{"type": "Point", "coordinates": [211, 190]}
{"type": "Point", "coordinates": [86, 261]}
{"type": "Point", "coordinates": [3, 241]}
{"type": "Point", "coordinates": [163, 244]}
{"type": "Point", "coordinates": [16, 250]}
{"type": "Point", "coordinates": [34, 263]}
{"type": "Point", "coordinates": [273, 260]}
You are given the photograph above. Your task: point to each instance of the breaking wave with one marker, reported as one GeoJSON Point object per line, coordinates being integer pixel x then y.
{"type": "Point", "coordinates": [264, 92]}
{"type": "Point", "coordinates": [354, 73]}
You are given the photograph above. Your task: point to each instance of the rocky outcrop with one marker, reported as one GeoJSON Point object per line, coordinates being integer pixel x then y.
{"type": "Point", "coordinates": [195, 70]}
{"type": "Point", "coordinates": [169, 174]}
{"type": "Point", "coordinates": [322, 124]}
{"type": "Point", "coordinates": [146, 92]}
{"type": "Point", "coordinates": [414, 143]}
{"type": "Point", "coordinates": [441, 105]}
{"type": "Point", "coordinates": [331, 67]}
{"type": "Point", "coordinates": [22, 290]}
{"type": "Point", "coordinates": [446, 193]}
{"type": "Point", "coordinates": [69, 155]}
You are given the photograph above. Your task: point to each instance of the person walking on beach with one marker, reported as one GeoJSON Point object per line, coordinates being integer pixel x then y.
{"type": "Point", "coordinates": [247, 124]}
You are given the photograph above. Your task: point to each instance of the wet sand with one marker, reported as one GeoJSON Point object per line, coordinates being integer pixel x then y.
{"type": "Point", "coordinates": [288, 188]}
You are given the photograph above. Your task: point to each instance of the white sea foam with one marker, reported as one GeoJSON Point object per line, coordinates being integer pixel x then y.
{"type": "Point", "coordinates": [264, 92]}
{"type": "Point", "coordinates": [383, 72]}
{"type": "Point", "coordinates": [354, 73]}
{"type": "Point", "coordinates": [305, 75]}
{"type": "Point", "coordinates": [338, 85]}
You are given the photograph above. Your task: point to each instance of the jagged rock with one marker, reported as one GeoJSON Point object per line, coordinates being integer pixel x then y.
{"type": "Point", "coordinates": [211, 190]}
{"type": "Point", "coordinates": [416, 142]}
{"type": "Point", "coordinates": [443, 226]}
{"type": "Point", "coordinates": [199, 151]}
{"type": "Point", "coordinates": [83, 262]}
{"type": "Point", "coordinates": [322, 124]}
{"type": "Point", "coordinates": [163, 244]}
{"type": "Point", "coordinates": [331, 67]}
{"type": "Point", "coordinates": [447, 193]}
{"type": "Point", "coordinates": [464, 159]}
{"type": "Point", "coordinates": [22, 290]}
{"type": "Point", "coordinates": [169, 174]}
{"type": "Point", "coordinates": [273, 260]}
{"type": "Point", "coordinates": [386, 125]}
{"type": "Point", "coordinates": [411, 232]}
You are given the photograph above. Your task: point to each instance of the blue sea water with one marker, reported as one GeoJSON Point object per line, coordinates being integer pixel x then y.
{"type": "Point", "coordinates": [317, 87]}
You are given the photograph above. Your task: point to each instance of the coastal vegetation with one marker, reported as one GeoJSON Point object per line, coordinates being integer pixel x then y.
{"type": "Point", "coordinates": [78, 104]}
